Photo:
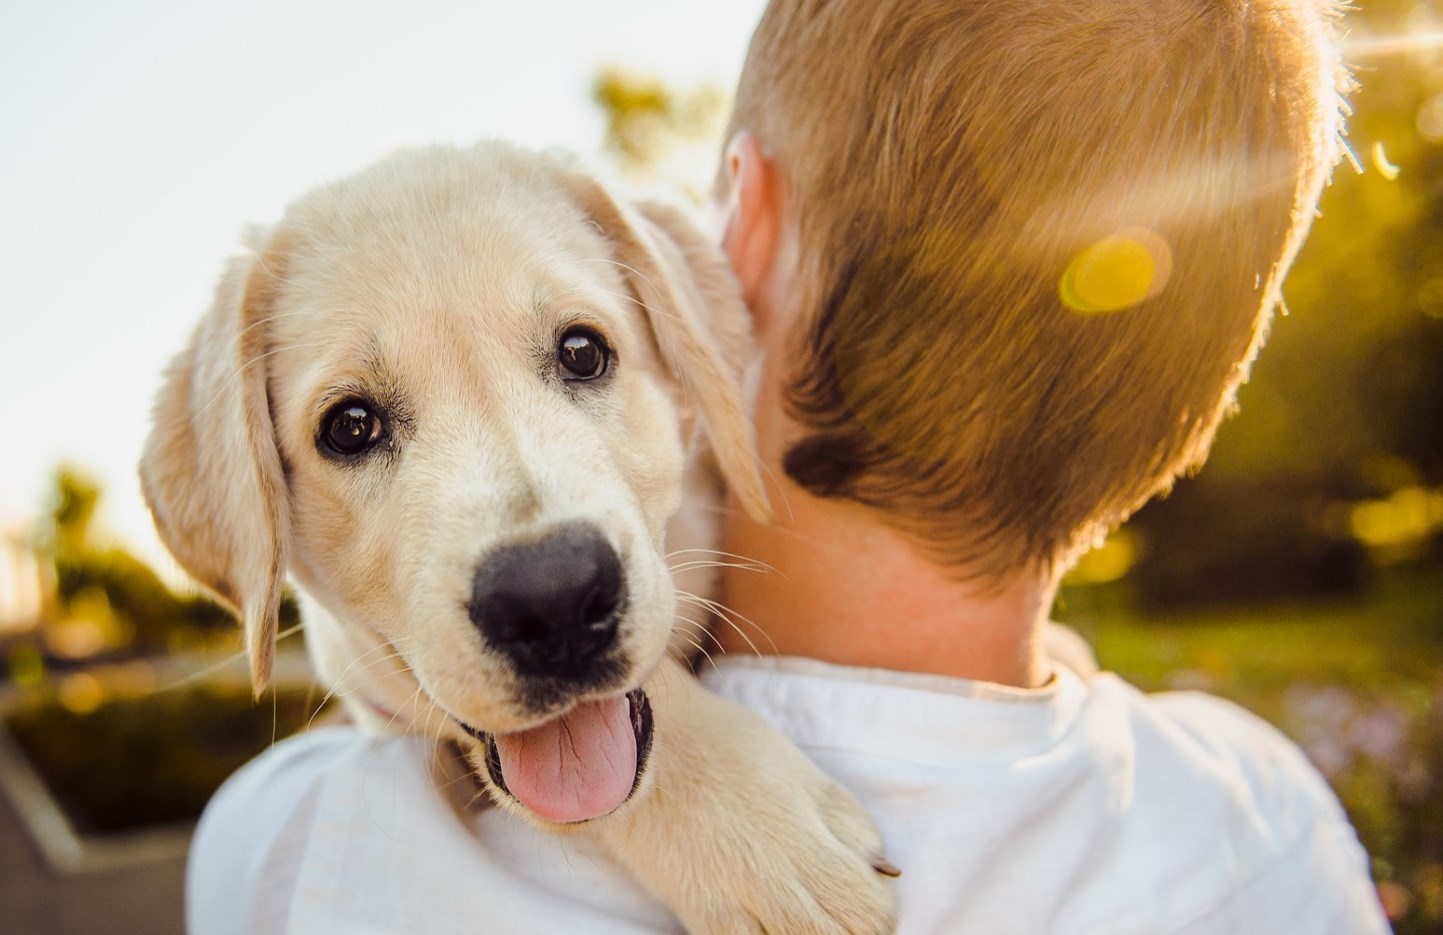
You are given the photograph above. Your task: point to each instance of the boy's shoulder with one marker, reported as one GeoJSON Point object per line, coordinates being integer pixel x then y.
{"type": "Point", "coordinates": [1226, 821]}
{"type": "Point", "coordinates": [1086, 806]}
{"type": "Point", "coordinates": [1224, 746]}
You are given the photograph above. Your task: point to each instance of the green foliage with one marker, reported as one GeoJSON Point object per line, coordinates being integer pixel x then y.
{"type": "Point", "coordinates": [1238, 541]}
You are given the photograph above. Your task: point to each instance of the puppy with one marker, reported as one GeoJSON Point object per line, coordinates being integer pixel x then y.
{"type": "Point", "coordinates": [470, 403]}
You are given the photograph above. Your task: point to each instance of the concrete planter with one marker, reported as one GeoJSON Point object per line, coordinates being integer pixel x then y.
{"type": "Point", "coordinates": [64, 850]}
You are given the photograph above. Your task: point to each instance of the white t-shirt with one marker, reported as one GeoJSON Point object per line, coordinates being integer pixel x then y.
{"type": "Point", "coordinates": [1082, 807]}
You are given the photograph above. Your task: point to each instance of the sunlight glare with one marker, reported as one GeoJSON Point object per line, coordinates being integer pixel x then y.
{"type": "Point", "coordinates": [1385, 168]}
{"type": "Point", "coordinates": [1378, 46]}
{"type": "Point", "coordinates": [1117, 272]}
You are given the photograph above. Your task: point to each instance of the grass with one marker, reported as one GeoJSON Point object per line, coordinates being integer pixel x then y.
{"type": "Point", "coordinates": [1393, 635]}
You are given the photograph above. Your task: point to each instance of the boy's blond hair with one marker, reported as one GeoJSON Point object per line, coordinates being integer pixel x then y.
{"type": "Point", "coordinates": [988, 195]}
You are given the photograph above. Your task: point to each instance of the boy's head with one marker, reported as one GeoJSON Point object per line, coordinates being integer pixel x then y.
{"type": "Point", "coordinates": [1039, 243]}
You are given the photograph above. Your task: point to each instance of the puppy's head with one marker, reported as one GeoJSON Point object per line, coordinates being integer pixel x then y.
{"type": "Point", "coordinates": [452, 397]}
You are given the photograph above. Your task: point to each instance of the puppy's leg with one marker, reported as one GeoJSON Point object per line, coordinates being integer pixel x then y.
{"type": "Point", "coordinates": [740, 832]}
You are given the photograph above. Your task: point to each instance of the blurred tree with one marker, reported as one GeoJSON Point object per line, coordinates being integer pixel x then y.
{"type": "Point", "coordinates": [1370, 275]}
{"type": "Point", "coordinates": [1346, 400]}
{"type": "Point", "coordinates": [658, 134]}
{"type": "Point", "coordinates": [75, 498]}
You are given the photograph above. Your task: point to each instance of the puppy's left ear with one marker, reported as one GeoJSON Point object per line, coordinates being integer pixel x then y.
{"type": "Point", "coordinates": [211, 471]}
{"type": "Point", "coordinates": [697, 315]}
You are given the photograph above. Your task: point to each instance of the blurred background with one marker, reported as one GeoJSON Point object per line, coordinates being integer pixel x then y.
{"type": "Point", "coordinates": [1301, 574]}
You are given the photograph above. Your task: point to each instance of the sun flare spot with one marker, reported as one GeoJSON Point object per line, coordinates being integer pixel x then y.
{"type": "Point", "coordinates": [1420, 40]}
{"type": "Point", "coordinates": [1117, 272]}
{"type": "Point", "coordinates": [1385, 168]}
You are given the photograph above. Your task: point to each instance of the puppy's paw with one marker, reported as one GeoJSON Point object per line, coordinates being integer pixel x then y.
{"type": "Point", "coordinates": [737, 831]}
{"type": "Point", "coordinates": [814, 865]}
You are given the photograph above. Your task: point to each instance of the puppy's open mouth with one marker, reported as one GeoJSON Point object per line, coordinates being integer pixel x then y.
{"type": "Point", "coordinates": [581, 765]}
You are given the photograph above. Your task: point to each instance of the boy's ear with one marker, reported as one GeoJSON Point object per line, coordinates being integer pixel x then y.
{"type": "Point", "coordinates": [697, 317]}
{"type": "Point", "coordinates": [211, 471]}
{"type": "Point", "coordinates": [751, 219]}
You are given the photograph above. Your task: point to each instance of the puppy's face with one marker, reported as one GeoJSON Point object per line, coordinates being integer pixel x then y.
{"type": "Point", "coordinates": [449, 395]}
{"type": "Point", "coordinates": [481, 447]}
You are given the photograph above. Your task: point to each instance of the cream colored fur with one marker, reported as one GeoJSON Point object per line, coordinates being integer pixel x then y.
{"type": "Point", "coordinates": [437, 282]}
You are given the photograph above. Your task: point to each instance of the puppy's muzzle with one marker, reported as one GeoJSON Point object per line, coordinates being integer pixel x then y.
{"type": "Point", "coordinates": [551, 605]}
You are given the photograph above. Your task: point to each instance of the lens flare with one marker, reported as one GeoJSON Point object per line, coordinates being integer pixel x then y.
{"type": "Point", "coordinates": [1385, 168]}
{"type": "Point", "coordinates": [1116, 273]}
{"type": "Point", "coordinates": [1421, 40]}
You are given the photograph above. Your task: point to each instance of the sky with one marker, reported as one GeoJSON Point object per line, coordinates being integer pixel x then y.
{"type": "Point", "coordinates": [140, 138]}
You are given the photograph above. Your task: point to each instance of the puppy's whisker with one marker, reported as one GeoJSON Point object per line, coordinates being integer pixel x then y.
{"type": "Point", "coordinates": [375, 656]}
{"type": "Point", "coordinates": [726, 614]}
{"type": "Point", "coordinates": [405, 707]}
{"type": "Point", "coordinates": [432, 709]}
{"type": "Point", "coordinates": [266, 320]}
{"type": "Point", "coordinates": [230, 659]}
{"type": "Point", "coordinates": [384, 651]}
{"type": "Point", "coordinates": [439, 742]}
{"type": "Point", "coordinates": [689, 566]}
{"type": "Point", "coordinates": [440, 723]}
{"type": "Point", "coordinates": [721, 552]}
{"type": "Point", "coordinates": [241, 371]}
{"type": "Point", "coordinates": [690, 628]}
{"type": "Point", "coordinates": [337, 687]}
{"type": "Point", "coordinates": [622, 295]}
{"type": "Point", "coordinates": [435, 743]}
{"type": "Point", "coordinates": [370, 659]}
{"type": "Point", "coordinates": [630, 269]}
{"type": "Point", "coordinates": [696, 644]}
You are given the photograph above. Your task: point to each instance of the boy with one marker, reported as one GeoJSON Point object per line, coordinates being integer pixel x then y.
{"type": "Point", "coordinates": [1008, 263]}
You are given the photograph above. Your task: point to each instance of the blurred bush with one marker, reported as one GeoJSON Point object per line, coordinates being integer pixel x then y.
{"type": "Point", "coordinates": [1244, 541]}
{"type": "Point", "coordinates": [134, 761]}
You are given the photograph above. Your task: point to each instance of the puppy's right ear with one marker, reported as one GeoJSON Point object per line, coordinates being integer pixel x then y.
{"type": "Point", "coordinates": [211, 472]}
{"type": "Point", "coordinates": [697, 317]}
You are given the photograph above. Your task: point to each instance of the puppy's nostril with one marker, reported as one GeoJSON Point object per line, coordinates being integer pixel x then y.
{"type": "Point", "coordinates": [599, 611]}
{"type": "Point", "coordinates": [530, 629]}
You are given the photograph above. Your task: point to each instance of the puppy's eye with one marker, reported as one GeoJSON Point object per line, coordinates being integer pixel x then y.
{"type": "Point", "coordinates": [583, 354]}
{"type": "Point", "coordinates": [351, 427]}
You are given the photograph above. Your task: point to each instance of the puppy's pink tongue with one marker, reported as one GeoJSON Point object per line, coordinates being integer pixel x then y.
{"type": "Point", "coordinates": [578, 766]}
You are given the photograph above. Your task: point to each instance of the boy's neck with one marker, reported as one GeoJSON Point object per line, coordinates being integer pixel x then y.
{"type": "Point", "coordinates": [841, 588]}
{"type": "Point", "coordinates": [836, 584]}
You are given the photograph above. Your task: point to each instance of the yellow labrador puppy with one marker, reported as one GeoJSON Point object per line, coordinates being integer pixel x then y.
{"type": "Point", "coordinates": [469, 402]}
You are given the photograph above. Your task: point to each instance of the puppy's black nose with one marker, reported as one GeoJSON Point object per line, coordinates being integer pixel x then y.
{"type": "Point", "coordinates": [551, 605]}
